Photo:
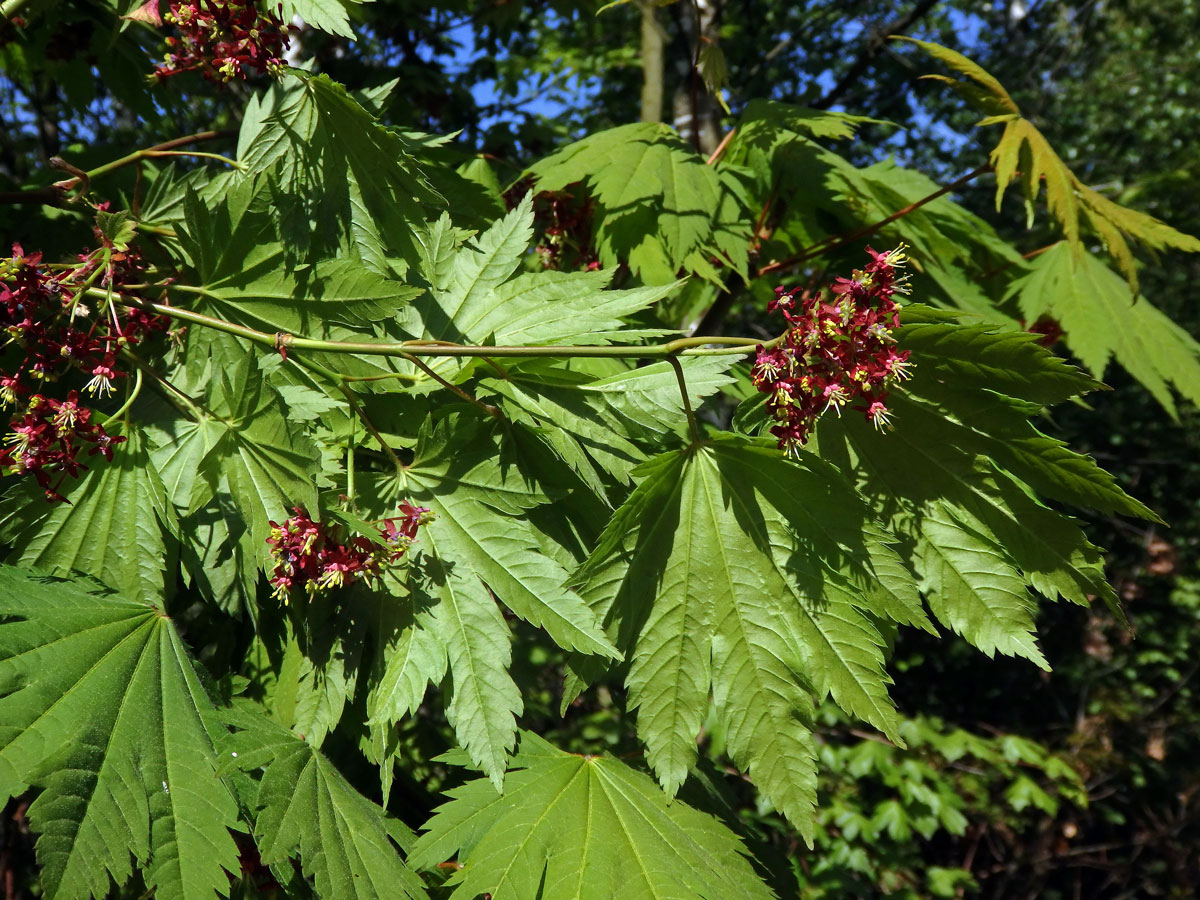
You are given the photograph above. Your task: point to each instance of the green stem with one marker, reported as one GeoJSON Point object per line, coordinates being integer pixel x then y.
{"type": "Point", "coordinates": [173, 395]}
{"type": "Point", "coordinates": [370, 426]}
{"type": "Point", "coordinates": [157, 150]}
{"type": "Point", "coordinates": [351, 401]}
{"type": "Point", "coordinates": [689, 346]}
{"type": "Point", "coordinates": [155, 229]}
{"type": "Point", "coordinates": [403, 376]}
{"type": "Point", "coordinates": [152, 154]}
{"type": "Point", "coordinates": [350, 466]}
{"type": "Point", "coordinates": [133, 395]}
{"type": "Point", "coordinates": [486, 407]}
{"type": "Point", "coordinates": [687, 403]}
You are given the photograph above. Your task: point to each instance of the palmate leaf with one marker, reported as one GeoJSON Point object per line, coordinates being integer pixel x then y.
{"type": "Point", "coordinates": [409, 656]}
{"type": "Point", "coordinates": [973, 588]}
{"type": "Point", "coordinates": [483, 700]}
{"type": "Point", "coordinates": [1047, 549]}
{"type": "Point", "coordinates": [1104, 321]}
{"type": "Point", "coordinates": [582, 828]}
{"type": "Point", "coordinates": [111, 527]}
{"type": "Point", "coordinates": [344, 182]}
{"type": "Point", "coordinates": [647, 398]}
{"type": "Point", "coordinates": [476, 298]}
{"type": "Point", "coordinates": [981, 536]}
{"type": "Point", "coordinates": [1023, 149]}
{"type": "Point", "coordinates": [330, 16]}
{"type": "Point", "coordinates": [584, 419]}
{"type": "Point", "coordinates": [306, 808]}
{"type": "Point", "coordinates": [248, 277]}
{"type": "Point", "coordinates": [103, 710]}
{"type": "Point", "coordinates": [979, 377]}
{"type": "Point", "coordinates": [575, 430]}
{"type": "Point", "coordinates": [946, 242]}
{"type": "Point", "coordinates": [268, 463]}
{"type": "Point", "coordinates": [317, 677]}
{"type": "Point", "coordinates": [477, 550]}
{"type": "Point", "coordinates": [765, 576]}
{"type": "Point", "coordinates": [655, 197]}
{"type": "Point", "coordinates": [270, 297]}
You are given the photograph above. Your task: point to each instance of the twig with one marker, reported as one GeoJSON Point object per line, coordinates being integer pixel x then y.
{"type": "Point", "coordinates": [876, 41]}
{"type": "Point", "coordinates": [721, 147]}
{"type": "Point", "coordinates": [689, 346]}
{"type": "Point", "coordinates": [42, 196]}
{"type": "Point", "coordinates": [162, 149]}
{"type": "Point", "coordinates": [486, 407]}
{"type": "Point", "coordinates": [833, 243]}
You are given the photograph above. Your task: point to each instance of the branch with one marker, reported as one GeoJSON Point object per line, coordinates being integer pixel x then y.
{"type": "Point", "coordinates": [42, 196]}
{"type": "Point", "coordinates": [875, 44]}
{"type": "Point", "coordinates": [167, 148]}
{"type": "Point", "coordinates": [834, 242]}
{"type": "Point", "coordinates": [690, 346]}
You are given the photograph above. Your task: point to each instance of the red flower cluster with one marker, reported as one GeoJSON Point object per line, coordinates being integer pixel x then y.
{"type": "Point", "coordinates": [836, 351]}
{"type": "Point", "coordinates": [223, 39]}
{"type": "Point", "coordinates": [565, 221]}
{"type": "Point", "coordinates": [55, 331]}
{"type": "Point", "coordinates": [309, 554]}
{"type": "Point", "coordinates": [46, 440]}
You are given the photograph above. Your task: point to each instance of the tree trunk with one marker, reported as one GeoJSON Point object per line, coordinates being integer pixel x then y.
{"type": "Point", "coordinates": [653, 39]}
{"type": "Point", "coordinates": [697, 116]}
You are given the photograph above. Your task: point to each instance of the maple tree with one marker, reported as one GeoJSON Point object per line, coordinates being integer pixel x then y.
{"type": "Point", "coordinates": [356, 413]}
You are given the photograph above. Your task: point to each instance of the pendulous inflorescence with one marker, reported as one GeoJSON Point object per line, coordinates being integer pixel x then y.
{"type": "Point", "coordinates": [838, 350]}
{"type": "Point", "coordinates": [316, 557]}
{"type": "Point", "coordinates": [223, 40]}
{"type": "Point", "coordinates": [54, 331]}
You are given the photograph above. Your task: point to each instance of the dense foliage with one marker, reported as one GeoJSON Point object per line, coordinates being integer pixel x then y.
{"type": "Point", "coordinates": [360, 485]}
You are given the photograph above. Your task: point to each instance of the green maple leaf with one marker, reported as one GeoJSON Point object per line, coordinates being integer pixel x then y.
{"type": "Point", "coordinates": [476, 297]}
{"type": "Point", "coordinates": [244, 441]}
{"type": "Point", "coordinates": [655, 197]}
{"type": "Point", "coordinates": [409, 656]}
{"type": "Point", "coordinates": [112, 526]}
{"type": "Point", "coordinates": [306, 808]}
{"type": "Point", "coordinates": [250, 279]}
{"type": "Point", "coordinates": [317, 676]}
{"type": "Point", "coordinates": [647, 400]}
{"type": "Point", "coordinates": [766, 577]}
{"type": "Point", "coordinates": [344, 182]}
{"type": "Point", "coordinates": [993, 382]}
{"type": "Point", "coordinates": [330, 16]}
{"type": "Point", "coordinates": [480, 548]}
{"type": "Point", "coordinates": [1104, 321]}
{"type": "Point", "coordinates": [982, 537]}
{"type": "Point", "coordinates": [103, 710]}
{"type": "Point", "coordinates": [1023, 152]}
{"type": "Point", "coordinates": [590, 422]}
{"type": "Point", "coordinates": [582, 828]}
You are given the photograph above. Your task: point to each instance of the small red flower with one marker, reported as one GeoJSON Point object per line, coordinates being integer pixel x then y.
{"type": "Point", "coordinates": [311, 555]}
{"type": "Point", "coordinates": [223, 39]}
{"type": "Point", "coordinates": [46, 440]}
{"type": "Point", "coordinates": [835, 352]}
